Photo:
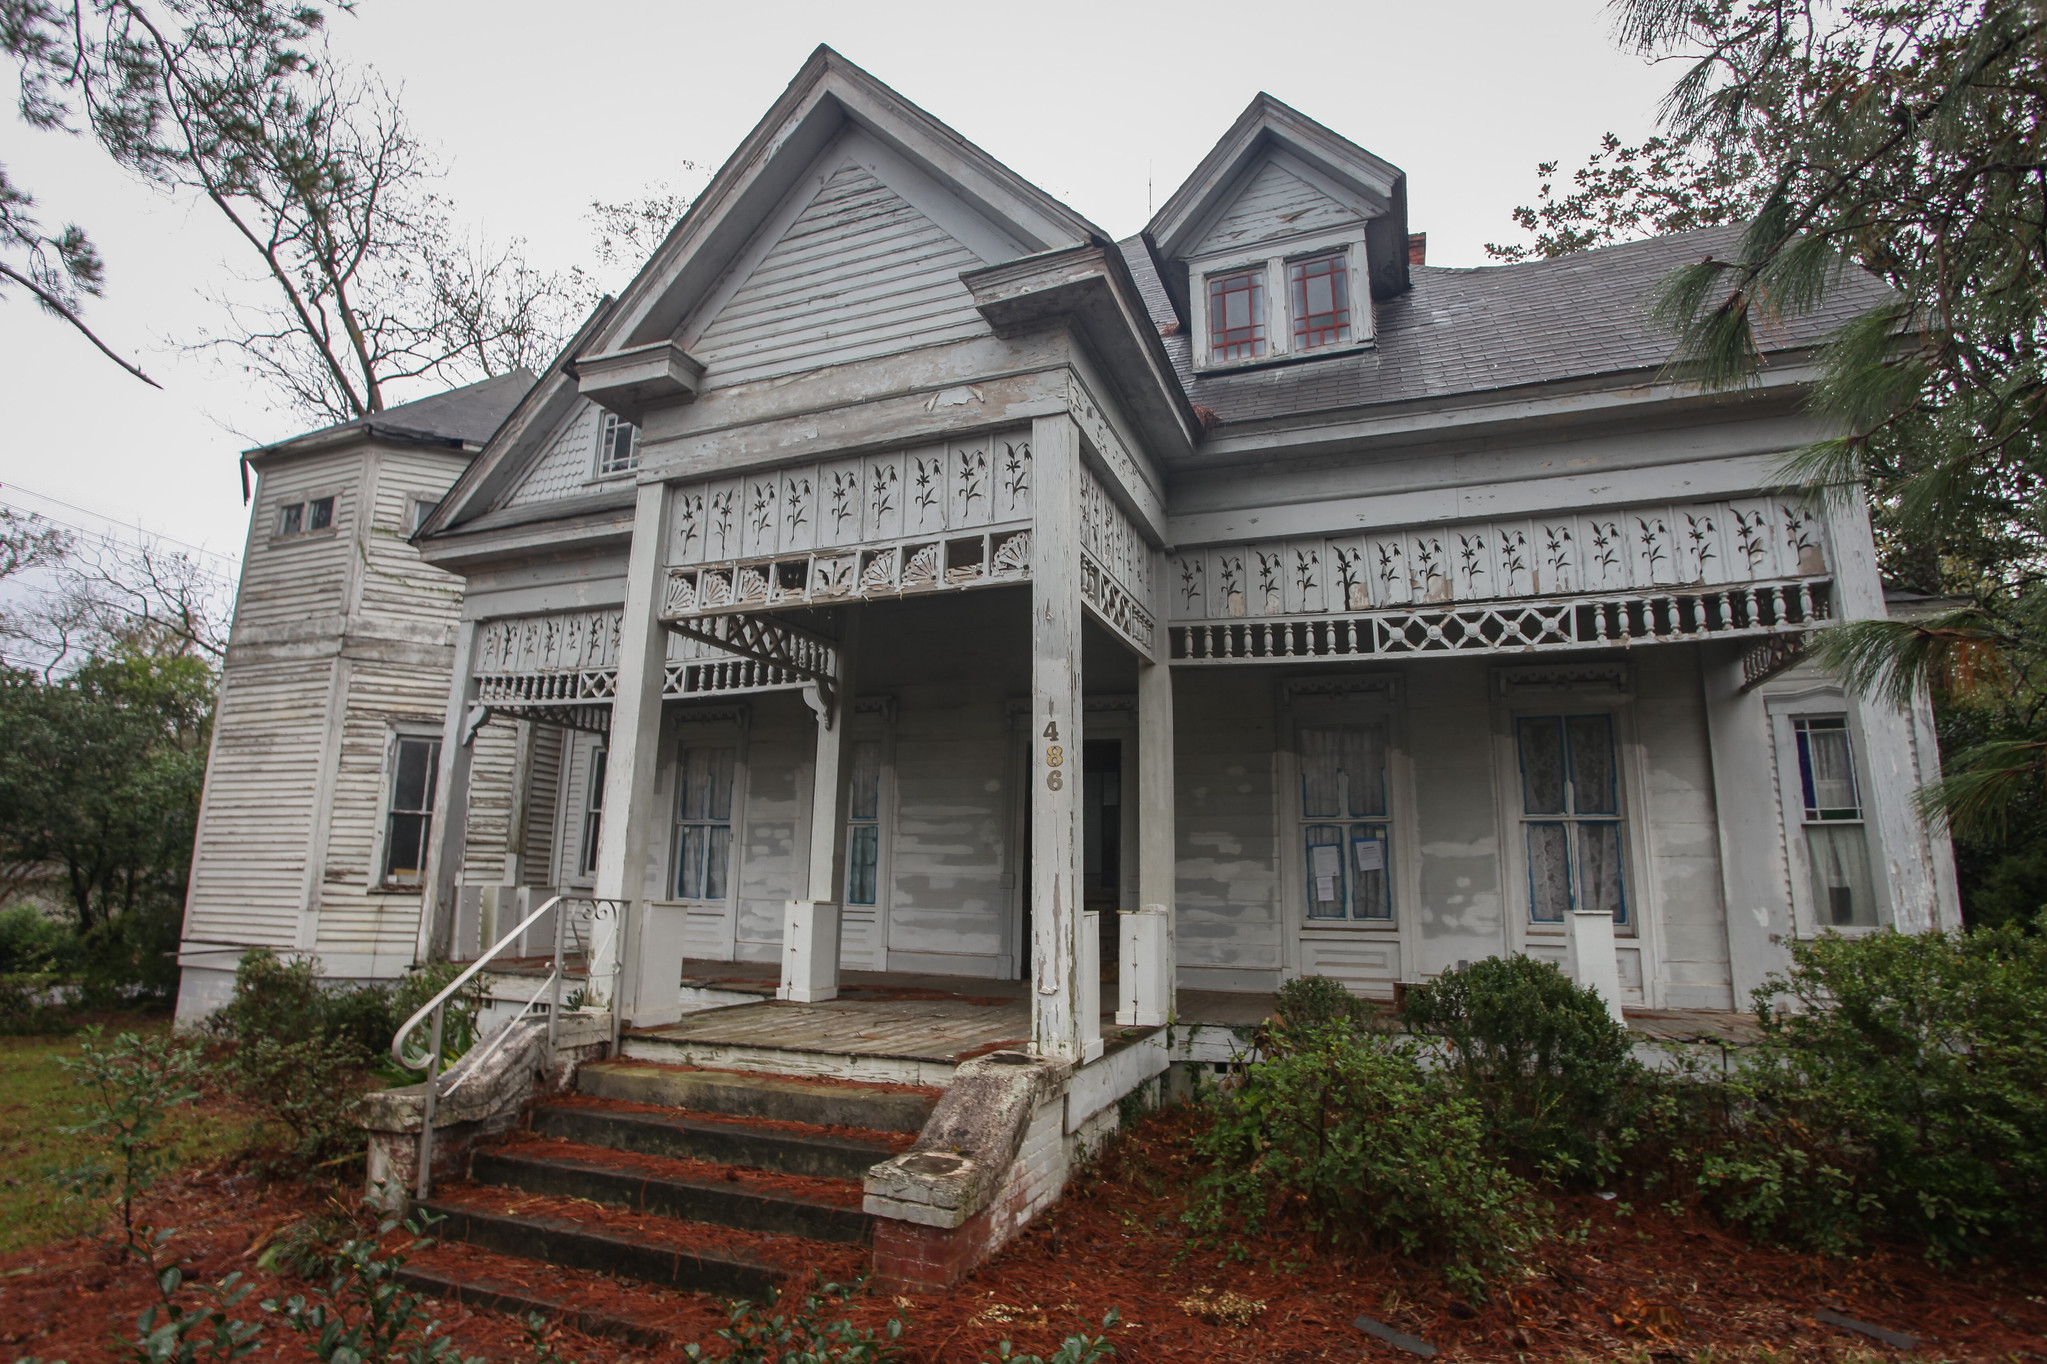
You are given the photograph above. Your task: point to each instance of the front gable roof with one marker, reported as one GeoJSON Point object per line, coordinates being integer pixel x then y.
{"type": "Point", "coordinates": [829, 97]}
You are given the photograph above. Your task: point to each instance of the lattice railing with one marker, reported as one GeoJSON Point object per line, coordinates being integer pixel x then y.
{"type": "Point", "coordinates": [1508, 627]}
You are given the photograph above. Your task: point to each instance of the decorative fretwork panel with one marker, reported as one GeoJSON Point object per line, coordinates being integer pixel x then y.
{"type": "Point", "coordinates": [1566, 623]}
{"type": "Point", "coordinates": [1705, 544]}
{"type": "Point", "coordinates": [566, 642]}
{"type": "Point", "coordinates": [1116, 578]}
{"type": "Point", "coordinates": [828, 577]}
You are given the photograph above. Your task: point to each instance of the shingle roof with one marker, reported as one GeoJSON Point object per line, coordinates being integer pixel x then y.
{"type": "Point", "coordinates": [1495, 327]}
{"type": "Point", "coordinates": [468, 414]}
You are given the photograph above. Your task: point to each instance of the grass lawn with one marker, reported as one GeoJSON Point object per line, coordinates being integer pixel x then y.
{"type": "Point", "coordinates": [37, 1098]}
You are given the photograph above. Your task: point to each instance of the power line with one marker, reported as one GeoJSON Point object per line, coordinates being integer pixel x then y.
{"type": "Point", "coordinates": [228, 581]}
{"type": "Point", "coordinates": [114, 521]}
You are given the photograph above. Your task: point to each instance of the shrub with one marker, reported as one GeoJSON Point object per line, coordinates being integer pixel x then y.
{"type": "Point", "coordinates": [1901, 1089]}
{"type": "Point", "coordinates": [1547, 1064]}
{"type": "Point", "coordinates": [1349, 1128]}
{"type": "Point", "coordinates": [131, 1087]}
{"type": "Point", "coordinates": [813, 1330]}
{"type": "Point", "coordinates": [1317, 1001]}
{"type": "Point", "coordinates": [31, 942]}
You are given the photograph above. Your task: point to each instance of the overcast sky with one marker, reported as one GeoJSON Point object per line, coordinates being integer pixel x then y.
{"type": "Point", "coordinates": [539, 108]}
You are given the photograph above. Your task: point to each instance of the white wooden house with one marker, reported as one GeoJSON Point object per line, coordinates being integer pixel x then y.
{"type": "Point", "coordinates": [313, 823]}
{"type": "Point", "coordinates": [902, 574]}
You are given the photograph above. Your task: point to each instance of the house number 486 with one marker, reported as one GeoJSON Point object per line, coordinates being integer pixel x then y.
{"type": "Point", "coordinates": [1054, 757]}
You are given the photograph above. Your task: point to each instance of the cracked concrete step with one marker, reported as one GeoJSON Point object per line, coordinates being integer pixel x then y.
{"type": "Point", "coordinates": [589, 1245]}
{"type": "Point", "coordinates": [693, 1200]}
{"type": "Point", "coordinates": [823, 1103]}
{"type": "Point", "coordinates": [728, 1143]}
{"type": "Point", "coordinates": [498, 1295]}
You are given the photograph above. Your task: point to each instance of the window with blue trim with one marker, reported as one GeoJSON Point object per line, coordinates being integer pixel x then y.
{"type": "Point", "coordinates": [1345, 825]}
{"type": "Point", "coordinates": [1836, 845]}
{"type": "Point", "coordinates": [1571, 815]}
{"type": "Point", "coordinates": [863, 825]}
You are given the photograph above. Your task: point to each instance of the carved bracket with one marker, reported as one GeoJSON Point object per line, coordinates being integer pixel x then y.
{"type": "Point", "coordinates": [780, 644]}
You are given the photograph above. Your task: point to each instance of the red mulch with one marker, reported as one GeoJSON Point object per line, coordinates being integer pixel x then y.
{"type": "Point", "coordinates": [841, 1192]}
{"type": "Point", "coordinates": [1643, 1285]}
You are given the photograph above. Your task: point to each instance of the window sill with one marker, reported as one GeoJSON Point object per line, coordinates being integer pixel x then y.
{"type": "Point", "coordinates": [395, 890]}
{"type": "Point", "coordinates": [1308, 357]}
{"type": "Point", "coordinates": [301, 536]}
{"type": "Point", "coordinates": [622, 476]}
{"type": "Point", "coordinates": [1354, 925]}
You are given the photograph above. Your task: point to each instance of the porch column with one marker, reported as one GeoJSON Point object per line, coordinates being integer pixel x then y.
{"type": "Point", "coordinates": [1148, 966]}
{"type": "Point", "coordinates": [450, 821]}
{"type": "Point", "coordinates": [1058, 1025]}
{"type": "Point", "coordinates": [631, 763]}
{"type": "Point", "coordinates": [810, 926]}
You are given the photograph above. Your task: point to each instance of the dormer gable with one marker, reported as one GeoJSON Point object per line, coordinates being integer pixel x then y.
{"type": "Point", "coordinates": [1274, 249]}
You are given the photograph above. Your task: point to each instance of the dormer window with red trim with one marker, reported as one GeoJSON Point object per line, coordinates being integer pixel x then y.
{"type": "Point", "coordinates": [1236, 316]}
{"type": "Point", "coordinates": [1321, 299]}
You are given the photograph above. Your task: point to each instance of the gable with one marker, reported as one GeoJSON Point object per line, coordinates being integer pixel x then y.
{"type": "Point", "coordinates": [860, 272]}
{"type": "Point", "coordinates": [564, 469]}
{"type": "Point", "coordinates": [1276, 203]}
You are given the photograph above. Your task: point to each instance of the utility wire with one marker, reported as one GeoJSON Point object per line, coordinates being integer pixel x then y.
{"type": "Point", "coordinates": [112, 521]}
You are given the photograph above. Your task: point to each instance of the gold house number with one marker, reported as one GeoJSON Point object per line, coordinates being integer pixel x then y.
{"type": "Point", "coordinates": [1054, 756]}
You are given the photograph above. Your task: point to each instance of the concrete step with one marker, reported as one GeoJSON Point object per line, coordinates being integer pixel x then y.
{"type": "Point", "coordinates": [720, 1203]}
{"type": "Point", "coordinates": [823, 1103]}
{"type": "Point", "coordinates": [503, 1295]}
{"type": "Point", "coordinates": [821, 1155]}
{"type": "Point", "coordinates": [591, 1245]}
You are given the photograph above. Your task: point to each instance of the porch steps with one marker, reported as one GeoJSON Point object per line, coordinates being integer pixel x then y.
{"type": "Point", "coordinates": [702, 1181]}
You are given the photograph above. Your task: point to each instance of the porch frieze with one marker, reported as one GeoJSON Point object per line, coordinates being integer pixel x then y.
{"type": "Point", "coordinates": [1117, 581]}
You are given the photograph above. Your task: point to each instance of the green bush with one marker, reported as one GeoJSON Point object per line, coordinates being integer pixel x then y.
{"type": "Point", "coordinates": [32, 943]}
{"type": "Point", "coordinates": [1349, 1129]}
{"type": "Point", "coordinates": [1542, 1058]}
{"type": "Point", "coordinates": [1317, 1001]}
{"type": "Point", "coordinates": [1900, 1088]}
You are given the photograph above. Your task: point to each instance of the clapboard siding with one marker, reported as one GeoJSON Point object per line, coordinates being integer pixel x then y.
{"type": "Point", "coordinates": [491, 759]}
{"type": "Point", "coordinates": [543, 807]}
{"type": "Point", "coordinates": [1277, 203]}
{"type": "Point", "coordinates": [249, 865]}
{"type": "Point", "coordinates": [290, 579]}
{"type": "Point", "coordinates": [860, 273]}
{"type": "Point", "coordinates": [396, 585]}
{"type": "Point", "coordinates": [568, 464]}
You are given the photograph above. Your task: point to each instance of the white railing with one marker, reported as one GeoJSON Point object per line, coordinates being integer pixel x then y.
{"type": "Point", "coordinates": [434, 1011]}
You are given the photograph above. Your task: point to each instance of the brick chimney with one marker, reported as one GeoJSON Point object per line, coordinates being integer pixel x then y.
{"type": "Point", "coordinates": [1417, 248]}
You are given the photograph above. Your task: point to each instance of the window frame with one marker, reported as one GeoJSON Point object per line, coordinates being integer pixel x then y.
{"type": "Point", "coordinates": [592, 814]}
{"type": "Point", "coordinates": [1363, 700]}
{"type": "Point", "coordinates": [1277, 259]}
{"type": "Point", "coordinates": [1786, 710]}
{"type": "Point", "coordinates": [387, 794]}
{"type": "Point", "coordinates": [680, 746]}
{"type": "Point", "coordinates": [1571, 818]}
{"type": "Point", "coordinates": [303, 504]}
{"type": "Point", "coordinates": [601, 469]}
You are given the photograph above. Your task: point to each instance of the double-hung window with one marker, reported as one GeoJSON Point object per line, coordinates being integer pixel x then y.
{"type": "Point", "coordinates": [301, 518]}
{"type": "Point", "coordinates": [618, 446]}
{"type": "Point", "coordinates": [1571, 815]}
{"type": "Point", "coordinates": [1236, 315]}
{"type": "Point", "coordinates": [1345, 826]}
{"type": "Point", "coordinates": [863, 824]}
{"type": "Point", "coordinates": [1321, 301]}
{"type": "Point", "coordinates": [1836, 843]}
{"type": "Point", "coordinates": [408, 820]}
{"type": "Point", "coordinates": [703, 818]}
{"type": "Point", "coordinates": [593, 814]}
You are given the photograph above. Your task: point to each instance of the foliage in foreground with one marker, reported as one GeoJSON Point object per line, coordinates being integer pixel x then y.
{"type": "Point", "coordinates": [1542, 1057]}
{"type": "Point", "coordinates": [807, 1333]}
{"type": "Point", "coordinates": [1347, 1129]}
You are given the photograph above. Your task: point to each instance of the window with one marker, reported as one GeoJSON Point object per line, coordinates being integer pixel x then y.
{"type": "Point", "coordinates": [703, 818]}
{"type": "Point", "coordinates": [1321, 301]}
{"type": "Point", "coordinates": [415, 767]}
{"type": "Point", "coordinates": [1836, 844]}
{"type": "Point", "coordinates": [593, 814]}
{"type": "Point", "coordinates": [863, 824]}
{"type": "Point", "coordinates": [618, 446]}
{"type": "Point", "coordinates": [1344, 822]}
{"type": "Point", "coordinates": [1236, 316]}
{"type": "Point", "coordinates": [300, 518]}
{"type": "Point", "coordinates": [422, 507]}
{"type": "Point", "coordinates": [1570, 815]}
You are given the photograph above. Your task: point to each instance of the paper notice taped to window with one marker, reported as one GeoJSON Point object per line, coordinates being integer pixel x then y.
{"type": "Point", "coordinates": [1328, 863]}
{"type": "Point", "coordinates": [1325, 889]}
{"type": "Point", "coordinates": [1371, 854]}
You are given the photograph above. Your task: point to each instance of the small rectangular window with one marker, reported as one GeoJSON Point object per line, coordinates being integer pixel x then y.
{"type": "Point", "coordinates": [291, 518]}
{"type": "Point", "coordinates": [422, 508]}
{"type": "Point", "coordinates": [863, 825]}
{"type": "Point", "coordinates": [618, 446]}
{"type": "Point", "coordinates": [415, 768]}
{"type": "Point", "coordinates": [593, 814]}
{"type": "Point", "coordinates": [1321, 297]}
{"type": "Point", "coordinates": [319, 513]}
{"type": "Point", "coordinates": [1570, 809]}
{"type": "Point", "coordinates": [1836, 841]}
{"type": "Point", "coordinates": [703, 817]}
{"type": "Point", "coordinates": [1236, 316]}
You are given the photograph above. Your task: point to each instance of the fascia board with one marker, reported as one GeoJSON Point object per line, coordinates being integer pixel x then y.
{"type": "Point", "coordinates": [552, 535]}
{"type": "Point", "coordinates": [827, 95]}
{"type": "Point", "coordinates": [1639, 393]}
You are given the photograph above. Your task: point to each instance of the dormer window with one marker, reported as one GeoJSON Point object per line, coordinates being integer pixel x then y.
{"type": "Point", "coordinates": [1236, 316]}
{"type": "Point", "coordinates": [618, 446]}
{"type": "Point", "coordinates": [1321, 301]}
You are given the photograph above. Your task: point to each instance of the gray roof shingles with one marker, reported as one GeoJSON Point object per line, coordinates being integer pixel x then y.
{"type": "Point", "coordinates": [1464, 331]}
{"type": "Point", "coordinates": [468, 414]}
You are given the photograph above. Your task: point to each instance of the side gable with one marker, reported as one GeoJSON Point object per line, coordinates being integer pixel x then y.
{"type": "Point", "coordinates": [1276, 203]}
{"type": "Point", "coordinates": [563, 468]}
{"type": "Point", "coordinates": [859, 272]}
